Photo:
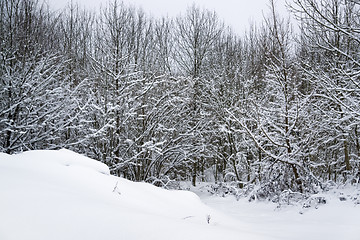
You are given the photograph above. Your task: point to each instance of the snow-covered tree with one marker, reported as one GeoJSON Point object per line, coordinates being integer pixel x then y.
{"type": "Point", "coordinates": [32, 89]}
{"type": "Point", "coordinates": [330, 42]}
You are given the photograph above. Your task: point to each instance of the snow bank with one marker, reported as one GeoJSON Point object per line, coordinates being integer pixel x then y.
{"type": "Point", "coordinates": [55, 158]}
{"type": "Point", "coordinates": [63, 195]}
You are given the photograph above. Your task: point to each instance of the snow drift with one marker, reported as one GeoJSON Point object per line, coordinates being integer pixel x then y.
{"type": "Point", "coordinates": [63, 195]}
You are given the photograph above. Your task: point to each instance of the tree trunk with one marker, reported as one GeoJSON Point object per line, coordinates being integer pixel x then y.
{"type": "Point", "coordinates": [347, 156]}
{"type": "Point", "coordinates": [194, 173]}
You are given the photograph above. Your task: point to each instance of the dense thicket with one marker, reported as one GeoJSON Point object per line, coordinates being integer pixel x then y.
{"type": "Point", "coordinates": [186, 98]}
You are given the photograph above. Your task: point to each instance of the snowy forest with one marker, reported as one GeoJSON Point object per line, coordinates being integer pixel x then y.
{"type": "Point", "coordinates": [275, 111]}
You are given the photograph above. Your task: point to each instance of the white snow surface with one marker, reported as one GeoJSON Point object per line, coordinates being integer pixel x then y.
{"type": "Point", "coordinates": [331, 221]}
{"type": "Point", "coordinates": [59, 194]}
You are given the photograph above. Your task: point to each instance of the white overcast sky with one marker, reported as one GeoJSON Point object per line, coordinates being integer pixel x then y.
{"type": "Point", "coordinates": [235, 13]}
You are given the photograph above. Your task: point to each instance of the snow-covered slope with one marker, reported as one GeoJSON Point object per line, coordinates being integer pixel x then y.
{"type": "Point", "coordinates": [63, 195]}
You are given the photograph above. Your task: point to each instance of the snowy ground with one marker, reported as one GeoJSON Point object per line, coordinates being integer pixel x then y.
{"type": "Point", "coordinates": [63, 195]}
{"type": "Point", "coordinates": [331, 221]}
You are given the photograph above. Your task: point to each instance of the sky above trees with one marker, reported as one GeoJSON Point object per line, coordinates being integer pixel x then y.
{"type": "Point", "coordinates": [235, 13]}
